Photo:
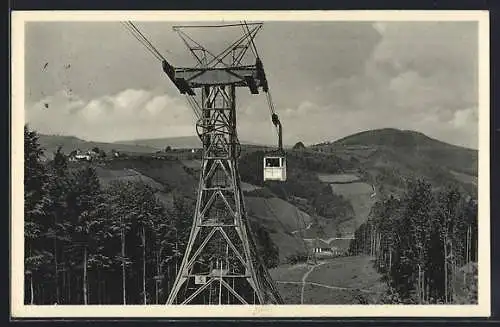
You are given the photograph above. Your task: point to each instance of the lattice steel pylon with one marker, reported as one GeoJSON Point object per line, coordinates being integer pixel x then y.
{"type": "Point", "coordinates": [220, 263]}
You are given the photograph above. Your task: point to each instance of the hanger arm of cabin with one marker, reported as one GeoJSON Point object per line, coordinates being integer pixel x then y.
{"type": "Point", "coordinates": [277, 123]}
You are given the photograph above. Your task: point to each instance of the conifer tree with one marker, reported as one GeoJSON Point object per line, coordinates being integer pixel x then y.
{"type": "Point", "coordinates": [36, 203]}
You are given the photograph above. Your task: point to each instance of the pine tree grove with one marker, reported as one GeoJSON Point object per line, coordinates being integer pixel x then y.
{"type": "Point", "coordinates": [89, 244]}
{"type": "Point", "coordinates": [425, 245]}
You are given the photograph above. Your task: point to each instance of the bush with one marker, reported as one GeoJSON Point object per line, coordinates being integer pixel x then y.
{"type": "Point", "coordinates": [266, 248]}
{"type": "Point", "coordinates": [261, 193]}
{"type": "Point", "coordinates": [297, 258]}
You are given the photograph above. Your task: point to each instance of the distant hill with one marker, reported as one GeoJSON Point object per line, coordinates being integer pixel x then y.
{"type": "Point", "coordinates": [388, 155]}
{"type": "Point", "coordinates": [393, 137]}
{"type": "Point", "coordinates": [417, 145]}
{"type": "Point", "coordinates": [162, 143]}
{"type": "Point", "coordinates": [357, 168]}
{"type": "Point", "coordinates": [377, 163]}
{"type": "Point", "coordinates": [192, 142]}
{"type": "Point", "coordinates": [50, 143]}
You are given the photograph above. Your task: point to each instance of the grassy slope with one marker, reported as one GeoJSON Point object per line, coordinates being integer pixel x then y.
{"type": "Point", "coordinates": [106, 176]}
{"type": "Point", "coordinates": [289, 273]}
{"type": "Point", "coordinates": [170, 173]}
{"type": "Point", "coordinates": [353, 281]}
{"type": "Point", "coordinates": [349, 272]}
{"type": "Point", "coordinates": [358, 194]}
{"type": "Point", "coordinates": [280, 220]}
{"type": "Point", "coordinates": [279, 211]}
{"type": "Point", "coordinates": [290, 293]}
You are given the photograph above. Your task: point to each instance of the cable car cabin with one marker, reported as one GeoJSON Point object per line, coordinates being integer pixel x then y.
{"type": "Point", "coordinates": [275, 168]}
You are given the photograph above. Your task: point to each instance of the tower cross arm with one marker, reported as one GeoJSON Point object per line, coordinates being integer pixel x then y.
{"type": "Point", "coordinates": [240, 76]}
{"type": "Point", "coordinates": [186, 79]}
{"type": "Point", "coordinates": [178, 81]}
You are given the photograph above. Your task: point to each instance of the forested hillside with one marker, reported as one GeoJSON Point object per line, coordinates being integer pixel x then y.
{"type": "Point", "coordinates": [425, 244]}
{"type": "Point", "coordinates": [89, 244]}
{"type": "Point", "coordinates": [113, 231]}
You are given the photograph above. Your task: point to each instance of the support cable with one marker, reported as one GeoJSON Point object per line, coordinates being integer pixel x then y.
{"type": "Point", "coordinates": [141, 38]}
{"type": "Point", "coordinates": [146, 40]}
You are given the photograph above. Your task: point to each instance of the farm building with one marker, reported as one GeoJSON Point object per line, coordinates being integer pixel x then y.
{"type": "Point", "coordinates": [333, 246]}
{"type": "Point", "coordinates": [82, 156]}
{"type": "Point", "coordinates": [321, 246]}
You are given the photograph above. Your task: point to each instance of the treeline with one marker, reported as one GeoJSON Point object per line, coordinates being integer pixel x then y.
{"type": "Point", "coordinates": [424, 244]}
{"type": "Point", "coordinates": [85, 244]}
{"type": "Point", "coordinates": [319, 162]}
{"type": "Point", "coordinates": [251, 164]}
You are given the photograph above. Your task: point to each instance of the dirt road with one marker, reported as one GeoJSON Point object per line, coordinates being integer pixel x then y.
{"type": "Point", "coordinates": [304, 280]}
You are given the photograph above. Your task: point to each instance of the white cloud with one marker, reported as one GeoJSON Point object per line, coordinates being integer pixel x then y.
{"type": "Point", "coordinates": [465, 118]}
{"type": "Point", "coordinates": [380, 27]}
{"type": "Point", "coordinates": [94, 111]}
{"type": "Point", "coordinates": [328, 80]}
{"type": "Point", "coordinates": [126, 115]}
{"type": "Point", "coordinates": [156, 105]}
{"type": "Point", "coordinates": [419, 77]}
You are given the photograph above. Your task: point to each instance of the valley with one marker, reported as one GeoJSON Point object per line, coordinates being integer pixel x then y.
{"type": "Point", "coordinates": [330, 193]}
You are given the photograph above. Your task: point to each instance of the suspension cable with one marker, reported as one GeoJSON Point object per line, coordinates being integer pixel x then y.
{"type": "Point", "coordinates": [268, 92]}
{"type": "Point", "coordinates": [190, 101]}
{"type": "Point", "coordinates": [141, 40]}
{"type": "Point", "coordinates": [256, 53]}
{"type": "Point", "coordinates": [139, 36]}
{"type": "Point", "coordinates": [150, 46]}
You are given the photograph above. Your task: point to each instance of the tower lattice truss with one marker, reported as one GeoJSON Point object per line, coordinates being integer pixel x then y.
{"type": "Point", "coordinates": [221, 264]}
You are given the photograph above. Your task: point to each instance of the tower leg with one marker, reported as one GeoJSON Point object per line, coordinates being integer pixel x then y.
{"type": "Point", "coordinates": [221, 236]}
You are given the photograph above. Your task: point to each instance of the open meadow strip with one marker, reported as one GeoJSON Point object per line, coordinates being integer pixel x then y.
{"type": "Point", "coordinates": [348, 272]}
{"type": "Point", "coordinates": [289, 273]}
{"type": "Point", "coordinates": [304, 280]}
{"type": "Point", "coordinates": [315, 294]}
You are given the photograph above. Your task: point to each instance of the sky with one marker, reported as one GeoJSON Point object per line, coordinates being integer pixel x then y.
{"type": "Point", "coordinates": [328, 80]}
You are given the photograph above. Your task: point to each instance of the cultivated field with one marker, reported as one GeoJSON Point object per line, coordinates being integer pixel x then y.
{"type": "Point", "coordinates": [359, 194]}
{"type": "Point", "coordinates": [338, 178]}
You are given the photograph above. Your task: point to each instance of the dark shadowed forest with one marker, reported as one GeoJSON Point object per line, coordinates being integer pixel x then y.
{"type": "Point", "coordinates": [86, 244]}
{"type": "Point", "coordinates": [425, 245]}
{"type": "Point", "coordinates": [90, 243]}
